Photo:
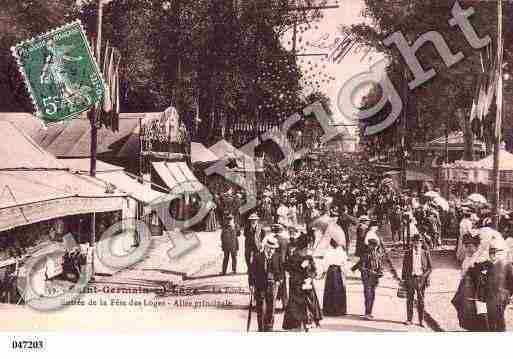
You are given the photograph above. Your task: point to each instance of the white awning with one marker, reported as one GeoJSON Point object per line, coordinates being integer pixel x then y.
{"type": "Point", "coordinates": [177, 176]}
{"type": "Point", "coordinates": [122, 181]}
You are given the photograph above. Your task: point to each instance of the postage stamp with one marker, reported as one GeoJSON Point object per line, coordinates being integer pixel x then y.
{"type": "Point", "coordinates": [60, 72]}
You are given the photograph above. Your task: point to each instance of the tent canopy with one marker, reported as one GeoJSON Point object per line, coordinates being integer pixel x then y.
{"type": "Point", "coordinates": [177, 176]}
{"type": "Point", "coordinates": [131, 186]}
{"type": "Point", "coordinates": [83, 165]}
{"type": "Point", "coordinates": [19, 151]}
{"type": "Point", "coordinates": [199, 153]}
{"type": "Point", "coordinates": [505, 162]}
{"type": "Point", "coordinates": [35, 186]}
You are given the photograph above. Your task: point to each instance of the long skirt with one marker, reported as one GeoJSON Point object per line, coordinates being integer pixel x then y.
{"type": "Point", "coordinates": [335, 300]}
{"type": "Point", "coordinates": [465, 305]}
{"type": "Point", "coordinates": [302, 309]}
{"type": "Point", "coordinates": [211, 224]}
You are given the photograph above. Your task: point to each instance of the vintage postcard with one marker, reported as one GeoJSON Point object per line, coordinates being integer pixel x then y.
{"type": "Point", "coordinates": [305, 166]}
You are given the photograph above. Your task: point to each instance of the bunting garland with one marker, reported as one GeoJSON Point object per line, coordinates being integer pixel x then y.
{"type": "Point", "coordinates": [107, 114]}
{"type": "Point", "coordinates": [486, 88]}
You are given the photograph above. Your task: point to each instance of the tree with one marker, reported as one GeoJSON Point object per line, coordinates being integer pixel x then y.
{"type": "Point", "coordinates": [224, 58]}
{"type": "Point", "coordinates": [435, 104]}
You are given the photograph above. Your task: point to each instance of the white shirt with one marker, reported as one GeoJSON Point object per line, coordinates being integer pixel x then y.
{"type": "Point", "coordinates": [335, 256]}
{"type": "Point", "coordinates": [417, 263]}
{"type": "Point", "coordinates": [465, 226]}
{"type": "Point", "coordinates": [371, 234]}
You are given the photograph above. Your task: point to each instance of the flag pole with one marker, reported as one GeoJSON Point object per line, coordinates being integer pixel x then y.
{"type": "Point", "coordinates": [498, 120]}
{"type": "Point", "coordinates": [93, 118]}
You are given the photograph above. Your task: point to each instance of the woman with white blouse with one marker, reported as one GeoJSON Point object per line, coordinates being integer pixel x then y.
{"type": "Point", "coordinates": [335, 264]}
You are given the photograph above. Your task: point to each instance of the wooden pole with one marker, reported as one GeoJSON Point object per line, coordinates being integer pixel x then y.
{"type": "Point", "coordinates": [94, 132]}
{"type": "Point", "coordinates": [498, 121]}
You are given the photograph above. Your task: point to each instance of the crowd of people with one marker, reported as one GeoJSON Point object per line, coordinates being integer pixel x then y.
{"type": "Point", "coordinates": [284, 255]}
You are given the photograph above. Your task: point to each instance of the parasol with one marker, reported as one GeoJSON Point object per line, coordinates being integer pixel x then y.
{"type": "Point", "coordinates": [323, 222]}
{"type": "Point", "coordinates": [441, 202]}
{"type": "Point", "coordinates": [432, 194]}
{"type": "Point", "coordinates": [478, 198]}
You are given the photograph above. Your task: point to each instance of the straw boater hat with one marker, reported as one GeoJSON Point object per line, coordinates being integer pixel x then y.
{"type": "Point", "coordinates": [498, 245]}
{"type": "Point", "coordinates": [254, 216]}
{"type": "Point", "coordinates": [363, 219]}
{"type": "Point", "coordinates": [276, 228]}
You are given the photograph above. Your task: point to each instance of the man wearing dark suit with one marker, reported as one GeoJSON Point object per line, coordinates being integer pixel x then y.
{"type": "Point", "coordinates": [265, 277]}
{"type": "Point", "coordinates": [417, 268]}
{"type": "Point", "coordinates": [252, 238]}
{"type": "Point", "coordinates": [499, 285]}
{"type": "Point", "coordinates": [230, 244]}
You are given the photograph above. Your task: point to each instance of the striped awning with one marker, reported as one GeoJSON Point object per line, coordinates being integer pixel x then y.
{"type": "Point", "coordinates": [178, 177]}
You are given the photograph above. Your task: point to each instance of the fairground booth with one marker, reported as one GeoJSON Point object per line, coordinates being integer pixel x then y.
{"type": "Point", "coordinates": [41, 200]}
{"type": "Point", "coordinates": [464, 177]}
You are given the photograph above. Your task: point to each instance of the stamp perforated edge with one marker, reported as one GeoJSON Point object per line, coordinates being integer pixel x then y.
{"type": "Point", "coordinates": [52, 32]}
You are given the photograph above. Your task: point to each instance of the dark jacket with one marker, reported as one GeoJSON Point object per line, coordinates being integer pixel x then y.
{"type": "Point", "coordinates": [499, 286]}
{"type": "Point", "coordinates": [251, 236]}
{"type": "Point", "coordinates": [262, 270]}
{"type": "Point", "coordinates": [371, 263]}
{"type": "Point", "coordinates": [229, 239]}
{"type": "Point", "coordinates": [427, 266]}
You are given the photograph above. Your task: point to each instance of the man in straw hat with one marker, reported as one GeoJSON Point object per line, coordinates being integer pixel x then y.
{"type": "Point", "coordinates": [252, 238]}
{"type": "Point", "coordinates": [417, 268]}
{"type": "Point", "coordinates": [265, 276]}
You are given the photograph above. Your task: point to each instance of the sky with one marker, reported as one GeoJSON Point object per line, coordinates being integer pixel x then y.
{"type": "Point", "coordinates": [348, 13]}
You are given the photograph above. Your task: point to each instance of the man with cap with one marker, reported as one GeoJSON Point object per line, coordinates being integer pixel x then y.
{"type": "Point", "coordinates": [230, 243]}
{"type": "Point", "coordinates": [252, 238]}
{"type": "Point", "coordinates": [371, 268]}
{"type": "Point", "coordinates": [417, 267]}
{"type": "Point", "coordinates": [265, 276]}
{"type": "Point", "coordinates": [499, 286]}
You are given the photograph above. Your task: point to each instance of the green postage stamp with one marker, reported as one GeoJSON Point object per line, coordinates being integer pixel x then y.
{"type": "Point", "coordinates": [60, 72]}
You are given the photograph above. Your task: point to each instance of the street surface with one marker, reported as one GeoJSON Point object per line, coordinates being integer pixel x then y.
{"type": "Point", "coordinates": [201, 299]}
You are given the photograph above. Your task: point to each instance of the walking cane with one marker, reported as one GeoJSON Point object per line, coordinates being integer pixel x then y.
{"type": "Point", "coordinates": [248, 324]}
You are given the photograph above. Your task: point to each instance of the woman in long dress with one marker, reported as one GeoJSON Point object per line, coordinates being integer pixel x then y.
{"type": "Point", "coordinates": [470, 289]}
{"type": "Point", "coordinates": [303, 308]}
{"type": "Point", "coordinates": [211, 224]}
{"type": "Point", "coordinates": [335, 298]}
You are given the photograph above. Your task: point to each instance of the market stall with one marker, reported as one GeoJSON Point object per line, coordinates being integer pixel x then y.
{"type": "Point", "coordinates": [476, 176]}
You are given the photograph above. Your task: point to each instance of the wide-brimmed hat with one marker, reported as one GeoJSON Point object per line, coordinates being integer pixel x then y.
{"type": "Point", "coordinates": [271, 242]}
{"type": "Point", "coordinates": [364, 219]}
{"type": "Point", "coordinates": [498, 245]}
{"type": "Point", "coordinates": [254, 216]}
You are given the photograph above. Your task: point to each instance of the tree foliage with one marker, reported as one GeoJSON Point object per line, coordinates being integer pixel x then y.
{"type": "Point", "coordinates": [431, 107]}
